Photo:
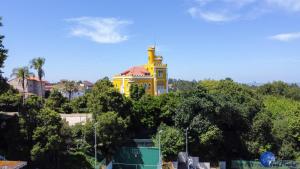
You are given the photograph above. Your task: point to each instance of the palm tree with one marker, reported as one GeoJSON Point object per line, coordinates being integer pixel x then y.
{"type": "Point", "coordinates": [70, 87]}
{"type": "Point", "coordinates": [22, 73]}
{"type": "Point", "coordinates": [37, 64]}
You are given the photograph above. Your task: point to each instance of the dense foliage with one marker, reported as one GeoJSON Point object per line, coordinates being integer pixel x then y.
{"type": "Point", "coordinates": [3, 51]}
{"type": "Point", "coordinates": [3, 56]}
{"type": "Point", "coordinates": [136, 91]}
{"type": "Point", "coordinates": [172, 139]}
{"type": "Point", "coordinates": [225, 120]}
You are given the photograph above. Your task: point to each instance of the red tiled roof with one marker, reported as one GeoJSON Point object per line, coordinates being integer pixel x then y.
{"type": "Point", "coordinates": [136, 71]}
{"type": "Point", "coordinates": [48, 86]}
{"type": "Point", "coordinates": [34, 78]}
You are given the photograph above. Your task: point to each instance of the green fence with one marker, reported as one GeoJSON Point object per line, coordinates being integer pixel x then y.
{"type": "Point", "coordinates": [241, 164]}
{"type": "Point", "coordinates": [136, 158]}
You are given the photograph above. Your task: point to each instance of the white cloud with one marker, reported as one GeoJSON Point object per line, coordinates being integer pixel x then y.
{"type": "Point", "coordinates": [286, 36]}
{"type": "Point", "coordinates": [211, 16]}
{"type": "Point", "coordinates": [219, 10]}
{"type": "Point", "coordinates": [100, 30]}
{"type": "Point", "coordinates": [290, 5]}
{"type": "Point", "coordinates": [229, 10]}
{"type": "Point", "coordinates": [203, 2]}
{"type": "Point", "coordinates": [240, 3]}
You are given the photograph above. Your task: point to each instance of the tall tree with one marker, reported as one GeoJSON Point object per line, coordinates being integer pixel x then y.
{"type": "Point", "coordinates": [146, 115]}
{"type": "Point", "coordinates": [70, 87]}
{"type": "Point", "coordinates": [3, 56]}
{"type": "Point", "coordinates": [3, 51]}
{"type": "Point", "coordinates": [170, 140]}
{"type": "Point", "coordinates": [22, 73]}
{"type": "Point", "coordinates": [37, 64]}
{"type": "Point", "coordinates": [111, 133]}
{"type": "Point", "coordinates": [48, 140]}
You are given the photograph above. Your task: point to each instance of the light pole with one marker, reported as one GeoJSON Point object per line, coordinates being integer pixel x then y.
{"type": "Point", "coordinates": [159, 149]}
{"type": "Point", "coordinates": [186, 147]}
{"type": "Point", "coordinates": [95, 145]}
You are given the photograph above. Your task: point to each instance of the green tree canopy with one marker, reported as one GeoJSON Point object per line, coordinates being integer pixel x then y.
{"type": "Point", "coordinates": [168, 104]}
{"type": "Point", "coordinates": [171, 142]}
{"type": "Point", "coordinates": [79, 104]}
{"type": "Point", "coordinates": [104, 98]}
{"type": "Point", "coordinates": [37, 64]}
{"type": "Point", "coordinates": [48, 139]}
{"type": "Point", "coordinates": [261, 138]}
{"type": "Point", "coordinates": [3, 55]}
{"type": "Point", "coordinates": [136, 91]}
{"type": "Point", "coordinates": [181, 85]}
{"type": "Point", "coordinates": [238, 94]}
{"type": "Point", "coordinates": [69, 87]}
{"type": "Point", "coordinates": [10, 101]}
{"type": "Point", "coordinates": [219, 114]}
{"type": "Point", "coordinates": [3, 51]}
{"type": "Point", "coordinates": [280, 88]}
{"type": "Point", "coordinates": [146, 115]}
{"type": "Point", "coordinates": [111, 132]}
{"type": "Point", "coordinates": [285, 117]}
{"type": "Point", "coordinates": [55, 101]}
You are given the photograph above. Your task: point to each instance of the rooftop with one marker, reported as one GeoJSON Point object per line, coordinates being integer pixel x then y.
{"type": "Point", "coordinates": [136, 71]}
{"type": "Point", "coordinates": [34, 78]}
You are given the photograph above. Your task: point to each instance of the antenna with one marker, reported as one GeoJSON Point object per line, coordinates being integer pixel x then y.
{"type": "Point", "coordinates": [154, 45]}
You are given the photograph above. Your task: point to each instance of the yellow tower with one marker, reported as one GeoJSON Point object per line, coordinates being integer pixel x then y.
{"type": "Point", "coordinates": [151, 55]}
{"type": "Point", "coordinates": [153, 76]}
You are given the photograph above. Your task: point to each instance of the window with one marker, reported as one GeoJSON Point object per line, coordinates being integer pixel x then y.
{"type": "Point", "coordinates": [160, 73]}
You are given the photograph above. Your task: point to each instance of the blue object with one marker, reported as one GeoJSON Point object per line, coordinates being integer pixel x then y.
{"type": "Point", "coordinates": [2, 158]}
{"type": "Point", "coordinates": [267, 158]}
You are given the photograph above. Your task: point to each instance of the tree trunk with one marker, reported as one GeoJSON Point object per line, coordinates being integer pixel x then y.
{"type": "Point", "coordinates": [41, 88]}
{"type": "Point", "coordinates": [23, 87]}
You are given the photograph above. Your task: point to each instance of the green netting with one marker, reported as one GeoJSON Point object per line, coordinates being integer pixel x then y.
{"type": "Point", "coordinates": [241, 164]}
{"type": "Point", "coordinates": [136, 166]}
{"type": "Point", "coordinates": [136, 158]}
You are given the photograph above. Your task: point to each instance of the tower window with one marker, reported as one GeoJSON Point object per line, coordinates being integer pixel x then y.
{"type": "Point", "coordinates": [160, 73]}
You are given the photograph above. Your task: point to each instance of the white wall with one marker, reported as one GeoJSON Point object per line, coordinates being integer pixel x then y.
{"type": "Point", "coordinates": [75, 118]}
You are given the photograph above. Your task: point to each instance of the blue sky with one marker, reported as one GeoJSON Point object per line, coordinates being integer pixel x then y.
{"type": "Point", "coordinates": [247, 40]}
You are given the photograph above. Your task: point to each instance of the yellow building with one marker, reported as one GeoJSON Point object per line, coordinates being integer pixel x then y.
{"type": "Point", "coordinates": [153, 76]}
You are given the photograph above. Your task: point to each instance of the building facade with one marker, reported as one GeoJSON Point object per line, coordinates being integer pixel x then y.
{"type": "Point", "coordinates": [33, 86]}
{"type": "Point", "coordinates": [153, 76]}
